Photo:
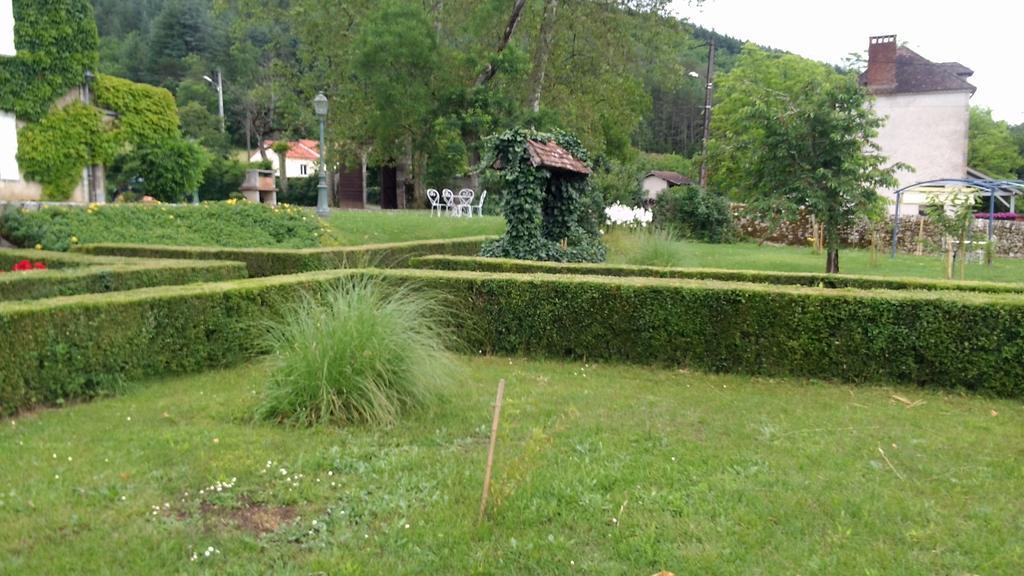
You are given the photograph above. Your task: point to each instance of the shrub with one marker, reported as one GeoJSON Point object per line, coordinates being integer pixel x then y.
{"type": "Point", "coordinates": [76, 274]}
{"type": "Point", "coordinates": [652, 248]}
{"type": "Point", "coordinates": [81, 346]}
{"type": "Point", "coordinates": [365, 354]}
{"type": "Point", "coordinates": [809, 279]}
{"type": "Point", "coordinates": [274, 261]}
{"type": "Point", "coordinates": [694, 212]}
{"type": "Point", "coordinates": [240, 224]}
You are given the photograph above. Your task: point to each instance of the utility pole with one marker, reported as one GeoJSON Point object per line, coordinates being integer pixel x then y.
{"type": "Point", "coordinates": [709, 96]}
{"type": "Point", "coordinates": [219, 85]}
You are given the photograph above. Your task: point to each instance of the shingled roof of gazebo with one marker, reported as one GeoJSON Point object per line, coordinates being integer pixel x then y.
{"type": "Point", "coordinates": [554, 157]}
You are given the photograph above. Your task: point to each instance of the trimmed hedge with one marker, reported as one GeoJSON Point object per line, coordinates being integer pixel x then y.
{"type": "Point", "coordinates": [274, 261]}
{"type": "Point", "coordinates": [112, 277]}
{"type": "Point", "coordinates": [471, 264]}
{"type": "Point", "coordinates": [84, 346]}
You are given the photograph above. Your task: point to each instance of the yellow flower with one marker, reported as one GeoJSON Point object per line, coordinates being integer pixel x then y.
{"type": "Point", "coordinates": [39, 246]}
{"type": "Point", "coordinates": [74, 239]}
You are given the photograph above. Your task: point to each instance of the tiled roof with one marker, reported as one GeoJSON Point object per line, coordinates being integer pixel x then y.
{"type": "Point", "coordinates": [673, 178]}
{"type": "Point", "coordinates": [915, 74]}
{"type": "Point", "coordinates": [555, 157]}
{"type": "Point", "coordinates": [300, 149]}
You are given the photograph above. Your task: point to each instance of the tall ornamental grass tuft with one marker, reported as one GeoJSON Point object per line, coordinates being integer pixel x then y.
{"type": "Point", "coordinates": [364, 354]}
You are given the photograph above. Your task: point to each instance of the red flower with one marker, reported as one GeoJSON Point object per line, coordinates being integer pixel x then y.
{"type": "Point", "coordinates": [27, 265]}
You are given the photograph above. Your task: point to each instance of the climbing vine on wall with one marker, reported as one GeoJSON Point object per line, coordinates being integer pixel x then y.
{"type": "Point", "coordinates": [145, 114]}
{"type": "Point", "coordinates": [56, 42]}
{"type": "Point", "coordinates": [550, 215]}
{"type": "Point", "coordinates": [54, 150]}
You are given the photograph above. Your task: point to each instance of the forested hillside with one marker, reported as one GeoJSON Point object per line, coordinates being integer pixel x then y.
{"type": "Point", "coordinates": [421, 80]}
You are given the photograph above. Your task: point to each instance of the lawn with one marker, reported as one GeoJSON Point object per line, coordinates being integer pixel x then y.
{"type": "Point", "coordinates": [646, 249]}
{"type": "Point", "coordinates": [352, 227]}
{"type": "Point", "coordinates": [601, 469]}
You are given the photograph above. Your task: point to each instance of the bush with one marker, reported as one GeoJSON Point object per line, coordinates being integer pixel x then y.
{"type": "Point", "coordinates": [241, 224]}
{"type": "Point", "coordinates": [273, 261]}
{"type": "Point", "coordinates": [809, 279]}
{"type": "Point", "coordinates": [70, 274]}
{"type": "Point", "coordinates": [364, 354]}
{"type": "Point", "coordinates": [83, 346]}
{"type": "Point", "coordinates": [223, 177]}
{"type": "Point", "coordinates": [694, 212]}
{"type": "Point", "coordinates": [653, 247]}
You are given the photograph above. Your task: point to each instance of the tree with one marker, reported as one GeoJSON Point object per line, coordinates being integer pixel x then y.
{"type": "Point", "coordinates": [169, 169]}
{"type": "Point", "coordinates": [281, 148]}
{"type": "Point", "coordinates": [991, 146]}
{"type": "Point", "coordinates": [792, 134]}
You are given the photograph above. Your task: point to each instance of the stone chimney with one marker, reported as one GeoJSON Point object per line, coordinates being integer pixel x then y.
{"type": "Point", "coordinates": [882, 62]}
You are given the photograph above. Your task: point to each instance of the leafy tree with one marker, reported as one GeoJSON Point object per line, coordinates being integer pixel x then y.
{"type": "Point", "coordinates": [792, 134]}
{"type": "Point", "coordinates": [991, 146]}
{"type": "Point", "coordinates": [169, 169]}
{"type": "Point", "coordinates": [181, 28]}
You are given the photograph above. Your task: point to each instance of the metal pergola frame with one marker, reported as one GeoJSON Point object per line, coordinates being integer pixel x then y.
{"type": "Point", "coordinates": [992, 188]}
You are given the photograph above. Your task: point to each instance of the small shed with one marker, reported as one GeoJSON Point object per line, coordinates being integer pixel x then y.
{"type": "Point", "coordinates": [658, 180]}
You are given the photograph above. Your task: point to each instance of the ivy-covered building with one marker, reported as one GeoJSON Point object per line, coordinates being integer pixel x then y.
{"type": "Point", "coordinates": [60, 122]}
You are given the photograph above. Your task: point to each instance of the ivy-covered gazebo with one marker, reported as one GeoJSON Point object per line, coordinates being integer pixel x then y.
{"type": "Point", "coordinates": [552, 213]}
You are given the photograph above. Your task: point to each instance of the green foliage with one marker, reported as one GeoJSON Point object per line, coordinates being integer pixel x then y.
{"type": "Point", "coordinates": [695, 212]}
{"type": "Point", "coordinates": [56, 42]}
{"type": "Point", "coordinates": [211, 224]}
{"type": "Point", "coordinates": [274, 261]}
{"type": "Point", "coordinates": [145, 113]}
{"type": "Point", "coordinates": [812, 280]}
{"type": "Point", "coordinates": [791, 133]}
{"type": "Point", "coordinates": [620, 181]}
{"type": "Point", "coordinates": [543, 208]}
{"type": "Point", "coordinates": [75, 347]}
{"type": "Point", "coordinates": [653, 247]}
{"type": "Point", "coordinates": [70, 274]}
{"type": "Point", "coordinates": [54, 150]}
{"type": "Point", "coordinates": [223, 177]}
{"type": "Point", "coordinates": [364, 354]}
{"type": "Point", "coordinates": [169, 169]}
{"type": "Point", "coordinates": [991, 146]}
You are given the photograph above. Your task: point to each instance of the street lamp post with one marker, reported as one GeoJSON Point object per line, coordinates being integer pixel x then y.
{"type": "Point", "coordinates": [219, 85]}
{"type": "Point", "coordinates": [320, 107]}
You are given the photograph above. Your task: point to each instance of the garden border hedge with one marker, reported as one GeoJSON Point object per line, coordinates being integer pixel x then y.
{"type": "Point", "coordinates": [809, 279]}
{"type": "Point", "coordinates": [275, 261]}
{"type": "Point", "coordinates": [71, 274]}
{"type": "Point", "coordinates": [84, 346]}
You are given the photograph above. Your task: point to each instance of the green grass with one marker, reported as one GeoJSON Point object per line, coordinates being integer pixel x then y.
{"type": "Point", "coordinates": [353, 227]}
{"type": "Point", "coordinates": [600, 469]}
{"type": "Point", "coordinates": [646, 249]}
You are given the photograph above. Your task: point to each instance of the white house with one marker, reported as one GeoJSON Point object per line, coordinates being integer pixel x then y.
{"type": "Point", "coordinates": [13, 185]}
{"type": "Point", "coordinates": [927, 105]}
{"type": "Point", "coordinates": [657, 181]}
{"type": "Point", "coordinates": [8, 125]}
{"type": "Point", "coordinates": [300, 161]}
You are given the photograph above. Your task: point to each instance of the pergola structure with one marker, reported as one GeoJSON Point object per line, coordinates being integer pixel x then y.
{"type": "Point", "coordinates": [1004, 191]}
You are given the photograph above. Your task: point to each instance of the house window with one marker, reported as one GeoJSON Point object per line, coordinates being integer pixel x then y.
{"type": "Point", "coordinates": [8, 147]}
{"type": "Point", "coordinates": [6, 28]}
{"type": "Point", "coordinates": [304, 170]}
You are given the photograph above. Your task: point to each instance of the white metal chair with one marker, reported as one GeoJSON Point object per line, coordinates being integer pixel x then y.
{"type": "Point", "coordinates": [435, 201]}
{"type": "Point", "coordinates": [448, 197]}
{"type": "Point", "coordinates": [465, 199]}
{"type": "Point", "coordinates": [479, 205]}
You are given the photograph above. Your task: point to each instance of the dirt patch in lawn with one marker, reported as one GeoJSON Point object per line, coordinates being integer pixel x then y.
{"type": "Point", "coordinates": [250, 516]}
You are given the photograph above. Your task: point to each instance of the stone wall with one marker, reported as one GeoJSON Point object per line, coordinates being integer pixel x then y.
{"type": "Point", "coordinates": [1009, 234]}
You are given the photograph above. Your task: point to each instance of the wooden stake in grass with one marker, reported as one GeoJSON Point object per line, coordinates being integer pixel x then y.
{"type": "Point", "coordinates": [490, 450]}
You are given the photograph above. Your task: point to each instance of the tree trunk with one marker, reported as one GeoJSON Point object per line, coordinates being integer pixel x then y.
{"type": "Point", "coordinates": [542, 53]}
{"type": "Point", "coordinates": [283, 171]}
{"type": "Point", "coordinates": [832, 261]}
{"type": "Point", "coordinates": [513, 21]}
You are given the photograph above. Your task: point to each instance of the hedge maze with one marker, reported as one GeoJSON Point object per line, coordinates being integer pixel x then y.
{"type": "Point", "coordinates": [121, 317]}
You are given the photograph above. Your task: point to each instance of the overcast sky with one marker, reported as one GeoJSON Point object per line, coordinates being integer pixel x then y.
{"type": "Point", "coordinates": [984, 35]}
